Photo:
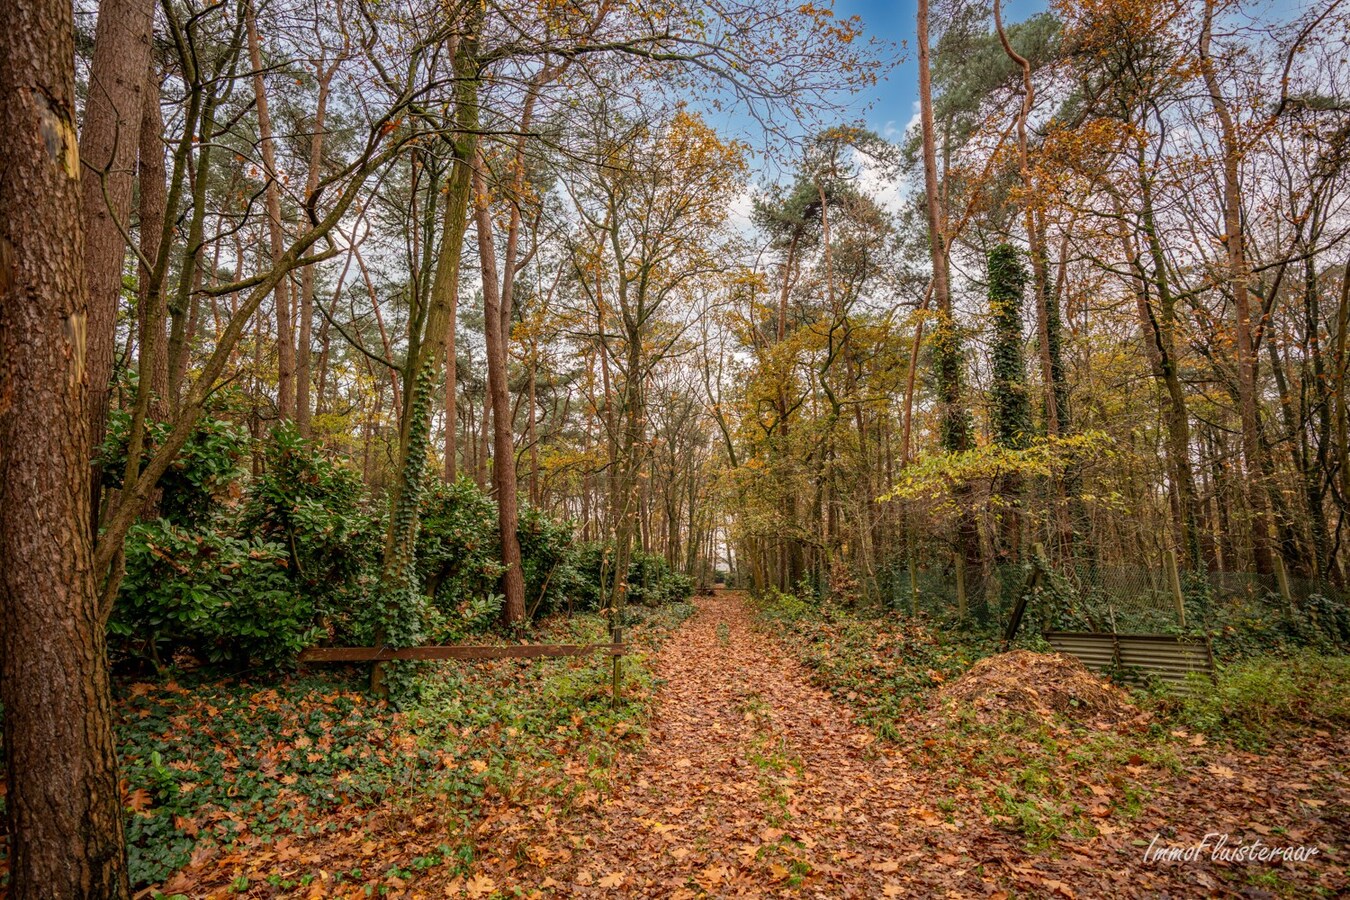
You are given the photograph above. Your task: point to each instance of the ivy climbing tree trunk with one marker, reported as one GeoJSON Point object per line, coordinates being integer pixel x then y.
{"type": "Point", "coordinates": [946, 340]}
{"type": "Point", "coordinates": [63, 802]}
{"type": "Point", "coordinates": [1010, 412]}
{"type": "Point", "coordinates": [426, 347]}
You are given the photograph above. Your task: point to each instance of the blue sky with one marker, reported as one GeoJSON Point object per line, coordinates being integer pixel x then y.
{"type": "Point", "coordinates": [887, 108]}
{"type": "Point", "coordinates": [893, 102]}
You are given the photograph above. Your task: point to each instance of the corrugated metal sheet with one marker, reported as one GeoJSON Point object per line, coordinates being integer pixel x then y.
{"type": "Point", "coordinates": [1139, 657]}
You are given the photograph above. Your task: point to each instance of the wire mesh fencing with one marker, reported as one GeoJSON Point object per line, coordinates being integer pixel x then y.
{"type": "Point", "coordinates": [1242, 612]}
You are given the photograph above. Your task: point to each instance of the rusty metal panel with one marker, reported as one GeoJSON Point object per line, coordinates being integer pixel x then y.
{"type": "Point", "coordinates": [1168, 658]}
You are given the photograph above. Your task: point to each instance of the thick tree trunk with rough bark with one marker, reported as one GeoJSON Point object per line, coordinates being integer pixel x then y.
{"type": "Point", "coordinates": [63, 802]}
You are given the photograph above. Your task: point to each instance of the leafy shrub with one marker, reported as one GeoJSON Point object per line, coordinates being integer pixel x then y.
{"type": "Point", "coordinates": [313, 507]}
{"type": "Point", "coordinates": [651, 581]}
{"type": "Point", "coordinates": [457, 556]}
{"type": "Point", "coordinates": [1260, 698]}
{"type": "Point", "coordinates": [593, 560]}
{"type": "Point", "coordinates": [548, 561]}
{"type": "Point", "coordinates": [1251, 627]}
{"type": "Point", "coordinates": [204, 478]}
{"type": "Point", "coordinates": [223, 599]}
{"type": "Point", "coordinates": [780, 607]}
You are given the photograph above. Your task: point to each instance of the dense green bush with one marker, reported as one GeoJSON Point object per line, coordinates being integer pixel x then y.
{"type": "Point", "coordinates": [1266, 697]}
{"type": "Point", "coordinates": [247, 572]}
{"type": "Point", "coordinates": [224, 599]}
{"type": "Point", "coordinates": [206, 476]}
{"type": "Point", "coordinates": [457, 557]}
{"type": "Point", "coordinates": [1248, 627]}
{"type": "Point", "coordinates": [593, 559]}
{"type": "Point", "coordinates": [314, 508]}
{"type": "Point", "coordinates": [548, 555]}
{"type": "Point", "coordinates": [651, 581]}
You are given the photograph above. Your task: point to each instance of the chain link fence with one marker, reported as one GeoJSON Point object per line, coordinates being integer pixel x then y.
{"type": "Point", "coordinates": [1243, 613]}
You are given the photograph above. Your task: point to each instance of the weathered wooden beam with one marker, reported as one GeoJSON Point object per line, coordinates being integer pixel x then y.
{"type": "Point", "coordinates": [515, 651]}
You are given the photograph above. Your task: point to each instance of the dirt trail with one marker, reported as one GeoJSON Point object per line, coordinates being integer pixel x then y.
{"type": "Point", "coordinates": [753, 783]}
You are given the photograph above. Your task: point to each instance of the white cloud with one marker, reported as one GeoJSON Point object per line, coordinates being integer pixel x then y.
{"type": "Point", "coordinates": [738, 211]}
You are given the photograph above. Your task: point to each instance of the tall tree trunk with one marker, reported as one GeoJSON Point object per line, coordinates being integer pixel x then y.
{"type": "Point", "coordinates": [936, 226]}
{"type": "Point", "coordinates": [1035, 241]}
{"type": "Point", "coordinates": [445, 289]}
{"type": "Point", "coordinates": [1159, 331]}
{"type": "Point", "coordinates": [946, 341]}
{"type": "Point", "coordinates": [276, 233]}
{"type": "Point", "coordinates": [531, 426]}
{"type": "Point", "coordinates": [496, 300]}
{"type": "Point", "coordinates": [303, 409]}
{"type": "Point", "coordinates": [151, 175]}
{"type": "Point", "coordinates": [112, 126]}
{"type": "Point", "coordinates": [451, 400]}
{"type": "Point", "coordinates": [63, 802]}
{"type": "Point", "coordinates": [1238, 273]}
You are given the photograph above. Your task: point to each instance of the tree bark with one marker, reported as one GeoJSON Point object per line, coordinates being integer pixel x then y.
{"type": "Point", "coordinates": [152, 176]}
{"type": "Point", "coordinates": [946, 342]}
{"type": "Point", "coordinates": [1234, 240]}
{"type": "Point", "coordinates": [276, 235]}
{"type": "Point", "coordinates": [108, 139]}
{"type": "Point", "coordinates": [63, 801]}
{"type": "Point", "coordinates": [303, 409]}
{"type": "Point", "coordinates": [1035, 241]}
{"type": "Point", "coordinates": [496, 309]}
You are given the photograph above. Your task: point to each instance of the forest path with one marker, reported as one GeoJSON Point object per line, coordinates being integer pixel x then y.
{"type": "Point", "coordinates": [752, 783]}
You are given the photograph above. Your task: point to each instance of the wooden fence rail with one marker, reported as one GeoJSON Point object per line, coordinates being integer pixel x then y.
{"type": "Point", "coordinates": [516, 651]}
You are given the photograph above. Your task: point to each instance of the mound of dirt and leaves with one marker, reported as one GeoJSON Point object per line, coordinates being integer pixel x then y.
{"type": "Point", "coordinates": [1023, 681]}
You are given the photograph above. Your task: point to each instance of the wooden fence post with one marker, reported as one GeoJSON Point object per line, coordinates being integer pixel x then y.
{"type": "Point", "coordinates": [1028, 590]}
{"type": "Point", "coordinates": [1174, 582]}
{"type": "Point", "coordinates": [617, 674]}
{"type": "Point", "coordinates": [960, 586]}
{"type": "Point", "coordinates": [1282, 577]}
{"type": "Point", "coordinates": [913, 585]}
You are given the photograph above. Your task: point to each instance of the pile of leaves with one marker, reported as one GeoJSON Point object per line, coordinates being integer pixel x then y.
{"type": "Point", "coordinates": [884, 667]}
{"type": "Point", "coordinates": [1040, 683]}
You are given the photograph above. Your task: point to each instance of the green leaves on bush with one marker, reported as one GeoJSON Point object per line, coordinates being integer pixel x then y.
{"type": "Point", "coordinates": [313, 507]}
{"type": "Point", "coordinates": [457, 556]}
{"type": "Point", "coordinates": [299, 561]}
{"type": "Point", "coordinates": [205, 476]}
{"type": "Point", "coordinates": [225, 599]}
